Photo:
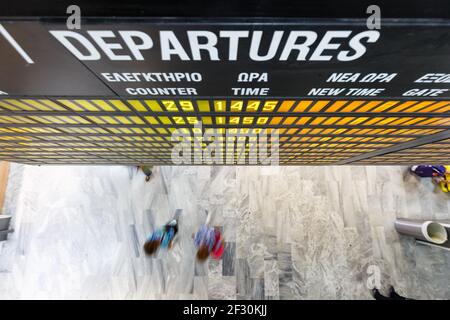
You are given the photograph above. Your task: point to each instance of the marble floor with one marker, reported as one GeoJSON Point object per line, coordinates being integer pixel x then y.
{"type": "Point", "coordinates": [291, 233]}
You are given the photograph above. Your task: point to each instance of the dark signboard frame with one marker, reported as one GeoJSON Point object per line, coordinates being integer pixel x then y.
{"type": "Point", "coordinates": [89, 76]}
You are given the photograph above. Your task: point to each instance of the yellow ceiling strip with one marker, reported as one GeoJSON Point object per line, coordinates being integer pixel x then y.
{"type": "Point", "coordinates": [445, 109]}
{"type": "Point", "coordinates": [87, 105]}
{"type": "Point", "coordinates": [402, 106]}
{"type": "Point", "coordinates": [386, 121]}
{"type": "Point", "coordinates": [68, 120]}
{"type": "Point", "coordinates": [119, 105]}
{"type": "Point", "coordinates": [7, 106]}
{"type": "Point", "coordinates": [429, 121]}
{"type": "Point", "coordinates": [327, 131]}
{"type": "Point", "coordinates": [345, 121]}
{"type": "Point", "coordinates": [37, 105]}
{"type": "Point", "coordinates": [316, 131]}
{"type": "Point", "coordinates": [304, 131]}
{"type": "Point", "coordinates": [413, 121]}
{"type": "Point", "coordinates": [302, 105]}
{"type": "Point", "coordinates": [339, 131]}
{"type": "Point", "coordinates": [151, 120]}
{"type": "Point", "coordinates": [71, 105]}
{"type": "Point", "coordinates": [418, 106]}
{"type": "Point", "coordinates": [368, 106]}
{"type": "Point", "coordinates": [165, 120]}
{"type": "Point", "coordinates": [137, 105]}
{"type": "Point", "coordinates": [319, 105]}
{"type": "Point", "coordinates": [385, 106]}
{"type": "Point", "coordinates": [276, 120]}
{"type": "Point", "coordinates": [52, 105]}
{"type": "Point", "coordinates": [289, 120]}
{"type": "Point", "coordinates": [352, 106]}
{"type": "Point", "coordinates": [96, 119]}
{"type": "Point", "coordinates": [109, 120]}
{"type": "Point", "coordinates": [136, 120]}
{"type": "Point", "coordinates": [353, 131]}
{"type": "Point", "coordinates": [103, 105]}
{"type": "Point", "coordinates": [399, 121]}
{"type": "Point", "coordinates": [153, 105]}
{"type": "Point", "coordinates": [445, 121]}
{"type": "Point", "coordinates": [358, 120]}
{"type": "Point", "coordinates": [318, 120]}
{"type": "Point", "coordinates": [435, 106]}
{"type": "Point", "coordinates": [38, 119]}
{"type": "Point", "coordinates": [303, 120]}
{"type": "Point", "coordinates": [331, 120]}
{"type": "Point", "coordinates": [20, 105]}
{"type": "Point", "coordinates": [286, 105]}
{"type": "Point", "coordinates": [336, 105]}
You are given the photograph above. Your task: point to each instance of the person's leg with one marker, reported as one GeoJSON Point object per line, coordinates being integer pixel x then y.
{"type": "Point", "coordinates": [378, 296]}
{"type": "Point", "coordinates": [394, 295]}
{"type": "Point", "coordinates": [415, 170]}
{"type": "Point", "coordinates": [173, 223]}
{"type": "Point", "coordinates": [147, 170]}
{"type": "Point", "coordinates": [177, 214]}
{"type": "Point", "coordinates": [208, 217]}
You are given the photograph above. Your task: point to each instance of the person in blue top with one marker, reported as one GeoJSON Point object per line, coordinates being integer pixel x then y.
{"type": "Point", "coordinates": [164, 237]}
{"type": "Point", "coordinates": [428, 171]}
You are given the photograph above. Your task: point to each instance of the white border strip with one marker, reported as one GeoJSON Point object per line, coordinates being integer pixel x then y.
{"type": "Point", "coordinates": [16, 46]}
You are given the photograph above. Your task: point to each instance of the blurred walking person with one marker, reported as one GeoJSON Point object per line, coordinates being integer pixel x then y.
{"type": "Point", "coordinates": [429, 171]}
{"type": "Point", "coordinates": [148, 171]}
{"type": "Point", "coordinates": [208, 241]}
{"type": "Point", "coordinates": [164, 237]}
{"type": "Point", "coordinates": [393, 295]}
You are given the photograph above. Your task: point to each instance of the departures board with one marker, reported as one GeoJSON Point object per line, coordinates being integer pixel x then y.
{"type": "Point", "coordinates": [116, 90]}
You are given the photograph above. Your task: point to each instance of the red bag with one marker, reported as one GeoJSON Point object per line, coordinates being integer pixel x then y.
{"type": "Point", "coordinates": [218, 247]}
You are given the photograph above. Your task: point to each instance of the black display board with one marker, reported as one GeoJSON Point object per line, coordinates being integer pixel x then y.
{"type": "Point", "coordinates": [298, 9]}
{"type": "Point", "coordinates": [139, 58]}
